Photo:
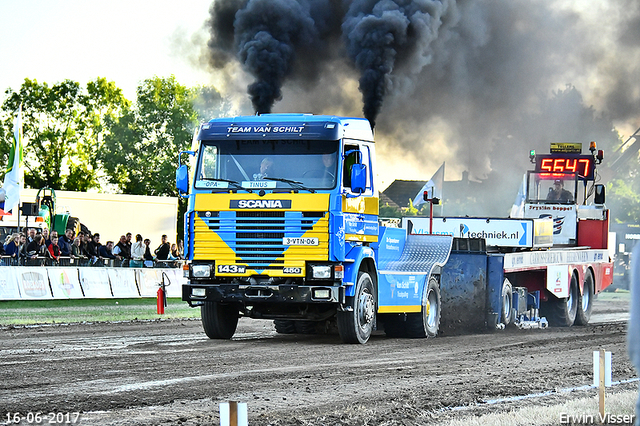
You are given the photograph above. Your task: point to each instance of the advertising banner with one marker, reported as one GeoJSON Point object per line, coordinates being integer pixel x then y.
{"type": "Point", "coordinates": [148, 280]}
{"type": "Point", "coordinates": [123, 282]}
{"type": "Point", "coordinates": [95, 283]}
{"type": "Point", "coordinates": [177, 279]}
{"type": "Point", "coordinates": [9, 289]}
{"type": "Point", "coordinates": [497, 232]}
{"type": "Point", "coordinates": [564, 220]}
{"type": "Point", "coordinates": [65, 283]}
{"type": "Point", "coordinates": [33, 283]}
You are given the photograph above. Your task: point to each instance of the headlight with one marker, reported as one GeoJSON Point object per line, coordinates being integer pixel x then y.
{"type": "Point", "coordinates": [200, 271]}
{"type": "Point", "coordinates": [199, 292]}
{"type": "Point", "coordinates": [321, 271]}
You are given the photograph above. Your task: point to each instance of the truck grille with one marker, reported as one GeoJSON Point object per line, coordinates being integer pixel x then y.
{"type": "Point", "coordinates": [255, 239]}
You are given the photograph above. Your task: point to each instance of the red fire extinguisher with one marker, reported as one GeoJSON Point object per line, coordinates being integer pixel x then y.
{"type": "Point", "coordinates": [162, 295]}
{"type": "Point", "coordinates": [161, 300]}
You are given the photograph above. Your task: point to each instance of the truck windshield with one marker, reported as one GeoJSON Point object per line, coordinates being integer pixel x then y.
{"type": "Point", "coordinates": [554, 188]}
{"type": "Point", "coordinates": [267, 164]}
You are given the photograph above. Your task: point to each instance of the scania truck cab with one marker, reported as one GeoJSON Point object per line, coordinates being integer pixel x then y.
{"type": "Point", "coordinates": [282, 211]}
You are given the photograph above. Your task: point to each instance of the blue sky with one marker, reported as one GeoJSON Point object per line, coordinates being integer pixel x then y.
{"type": "Point", "coordinates": [124, 41]}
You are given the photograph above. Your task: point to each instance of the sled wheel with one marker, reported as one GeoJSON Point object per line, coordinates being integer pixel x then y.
{"type": "Point", "coordinates": [285, 326]}
{"type": "Point", "coordinates": [507, 302]}
{"type": "Point", "coordinates": [427, 322]}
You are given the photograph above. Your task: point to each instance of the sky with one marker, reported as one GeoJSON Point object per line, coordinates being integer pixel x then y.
{"type": "Point", "coordinates": [473, 91]}
{"type": "Point", "coordinates": [123, 41]}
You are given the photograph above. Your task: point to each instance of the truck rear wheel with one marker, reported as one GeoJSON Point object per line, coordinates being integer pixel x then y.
{"type": "Point", "coordinates": [219, 320]}
{"type": "Point", "coordinates": [562, 312]}
{"type": "Point", "coordinates": [585, 301]}
{"type": "Point", "coordinates": [355, 326]}
{"type": "Point", "coordinates": [427, 322]}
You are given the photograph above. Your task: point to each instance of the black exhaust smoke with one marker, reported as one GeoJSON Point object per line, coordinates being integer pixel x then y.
{"type": "Point", "coordinates": [381, 35]}
{"type": "Point", "coordinates": [268, 36]}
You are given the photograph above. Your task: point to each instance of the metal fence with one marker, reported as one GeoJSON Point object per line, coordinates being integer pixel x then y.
{"type": "Point", "coordinates": [68, 261]}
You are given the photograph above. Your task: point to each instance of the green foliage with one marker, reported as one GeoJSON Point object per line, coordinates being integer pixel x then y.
{"type": "Point", "coordinates": [140, 150]}
{"type": "Point", "coordinates": [623, 199]}
{"type": "Point", "coordinates": [385, 210]}
{"type": "Point", "coordinates": [63, 126]}
{"type": "Point", "coordinates": [22, 312]}
{"type": "Point", "coordinates": [411, 210]}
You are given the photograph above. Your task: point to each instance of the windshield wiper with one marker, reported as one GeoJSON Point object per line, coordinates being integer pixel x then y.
{"type": "Point", "coordinates": [294, 183]}
{"type": "Point", "coordinates": [232, 182]}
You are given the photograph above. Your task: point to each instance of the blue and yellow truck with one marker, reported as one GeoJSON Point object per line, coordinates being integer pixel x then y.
{"type": "Point", "coordinates": [282, 224]}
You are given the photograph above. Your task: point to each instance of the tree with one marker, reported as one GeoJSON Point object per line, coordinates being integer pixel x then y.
{"type": "Point", "coordinates": [141, 149]}
{"type": "Point", "coordinates": [63, 126]}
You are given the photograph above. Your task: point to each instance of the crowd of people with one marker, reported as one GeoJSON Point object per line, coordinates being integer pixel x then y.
{"type": "Point", "coordinates": [43, 247]}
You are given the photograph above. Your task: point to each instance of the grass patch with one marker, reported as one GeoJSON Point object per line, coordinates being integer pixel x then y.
{"type": "Point", "coordinates": [26, 312]}
{"type": "Point", "coordinates": [618, 295]}
{"type": "Point", "coordinates": [583, 410]}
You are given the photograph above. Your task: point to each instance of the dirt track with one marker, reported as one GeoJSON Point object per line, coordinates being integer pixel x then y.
{"type": "Point", "coordinates": [168, 372]}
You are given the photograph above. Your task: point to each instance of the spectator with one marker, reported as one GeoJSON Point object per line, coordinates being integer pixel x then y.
{"type": "Point", "coordinates": [137, 253]}
{"type": "Point", "coordinates": [23, 245]}
{"type": "Point", "coordinates": [76, 249]}
{"type": "Point", "coordinates": [163, 250]}
{"type": "Point", "coordinates": [12, 245]}
{"type": "Point", "coordinates": [106, 251]}
{"type": "Point", "coordinates": [180, 249]}
{"type": "Point", "coordinates": [53, 235]}
{"type": "Point", "coordinates": [45, 234]}
{"type": "Point", "coordinates": [53, 250]}
{"type": "Point", "coordinates": [129, 243]}
{"type": "Point", "coordinates": [32, 235]}
{"type": "Point", "coordinates": [34, 248]}
{"type": "Point", "coordinates": [122, 250]}
{"type": "Point", "coordinates": [174, 255]}
{"type": "Point", "coordinates": [93, 248]}
{"type": "Point", "coordinates": [65, 242]}
{"type": "Point", "coordinates": [148, 257]}
{"type": "Point", "coordinates": [84, 241]}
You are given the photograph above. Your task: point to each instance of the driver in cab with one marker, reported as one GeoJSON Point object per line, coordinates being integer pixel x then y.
{"type": "Point", "coordinates": [558, 193]}
{"type": "Point", "coordinates": [266, 169]}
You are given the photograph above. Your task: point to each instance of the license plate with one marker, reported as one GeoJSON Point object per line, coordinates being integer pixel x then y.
{"type": "Point", "coordinates": [299, 241]}
{"type": "Point", "coordinates": [292, 270]}
{"type": "Point", "coordinates": [232, 269]}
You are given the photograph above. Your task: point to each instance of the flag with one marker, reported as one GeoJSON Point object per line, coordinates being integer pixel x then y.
{"type": "Point", "coordinates": [517, 210]}
{"type": "Point", "coordinates": [434, 184]}
{"type": "Point", "coordinates": [13, 178]}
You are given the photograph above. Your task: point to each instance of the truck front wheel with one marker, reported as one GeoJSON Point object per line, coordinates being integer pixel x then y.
{"type": "Point", "coordinates": [355, 326]}
{"type": "Point", "coordinates": [219, 320]}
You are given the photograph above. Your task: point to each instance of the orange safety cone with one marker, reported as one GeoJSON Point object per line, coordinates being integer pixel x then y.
{"type": "Point", "coordinates": [160, 300]}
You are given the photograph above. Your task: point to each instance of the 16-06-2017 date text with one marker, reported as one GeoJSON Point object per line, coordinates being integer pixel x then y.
{"type": "Point", "coordinates": [38, 418]}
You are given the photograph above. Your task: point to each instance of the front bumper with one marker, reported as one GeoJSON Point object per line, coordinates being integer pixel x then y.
{"type": "Point", "coordinates": [248, 294]}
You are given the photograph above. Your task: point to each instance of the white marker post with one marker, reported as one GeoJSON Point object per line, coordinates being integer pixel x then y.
{"type": "Point", "coordinates": [233, 413]}
{"type": "Point", "coordinates": [601, 375]}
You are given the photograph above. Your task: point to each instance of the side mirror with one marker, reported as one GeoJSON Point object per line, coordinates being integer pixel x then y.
{"type": "Point", "coordinates": [358, 178]}
{"type": "Point", "coordinates": [599, 195]}
{"type": "Point", "coordinates": [182, 179]}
